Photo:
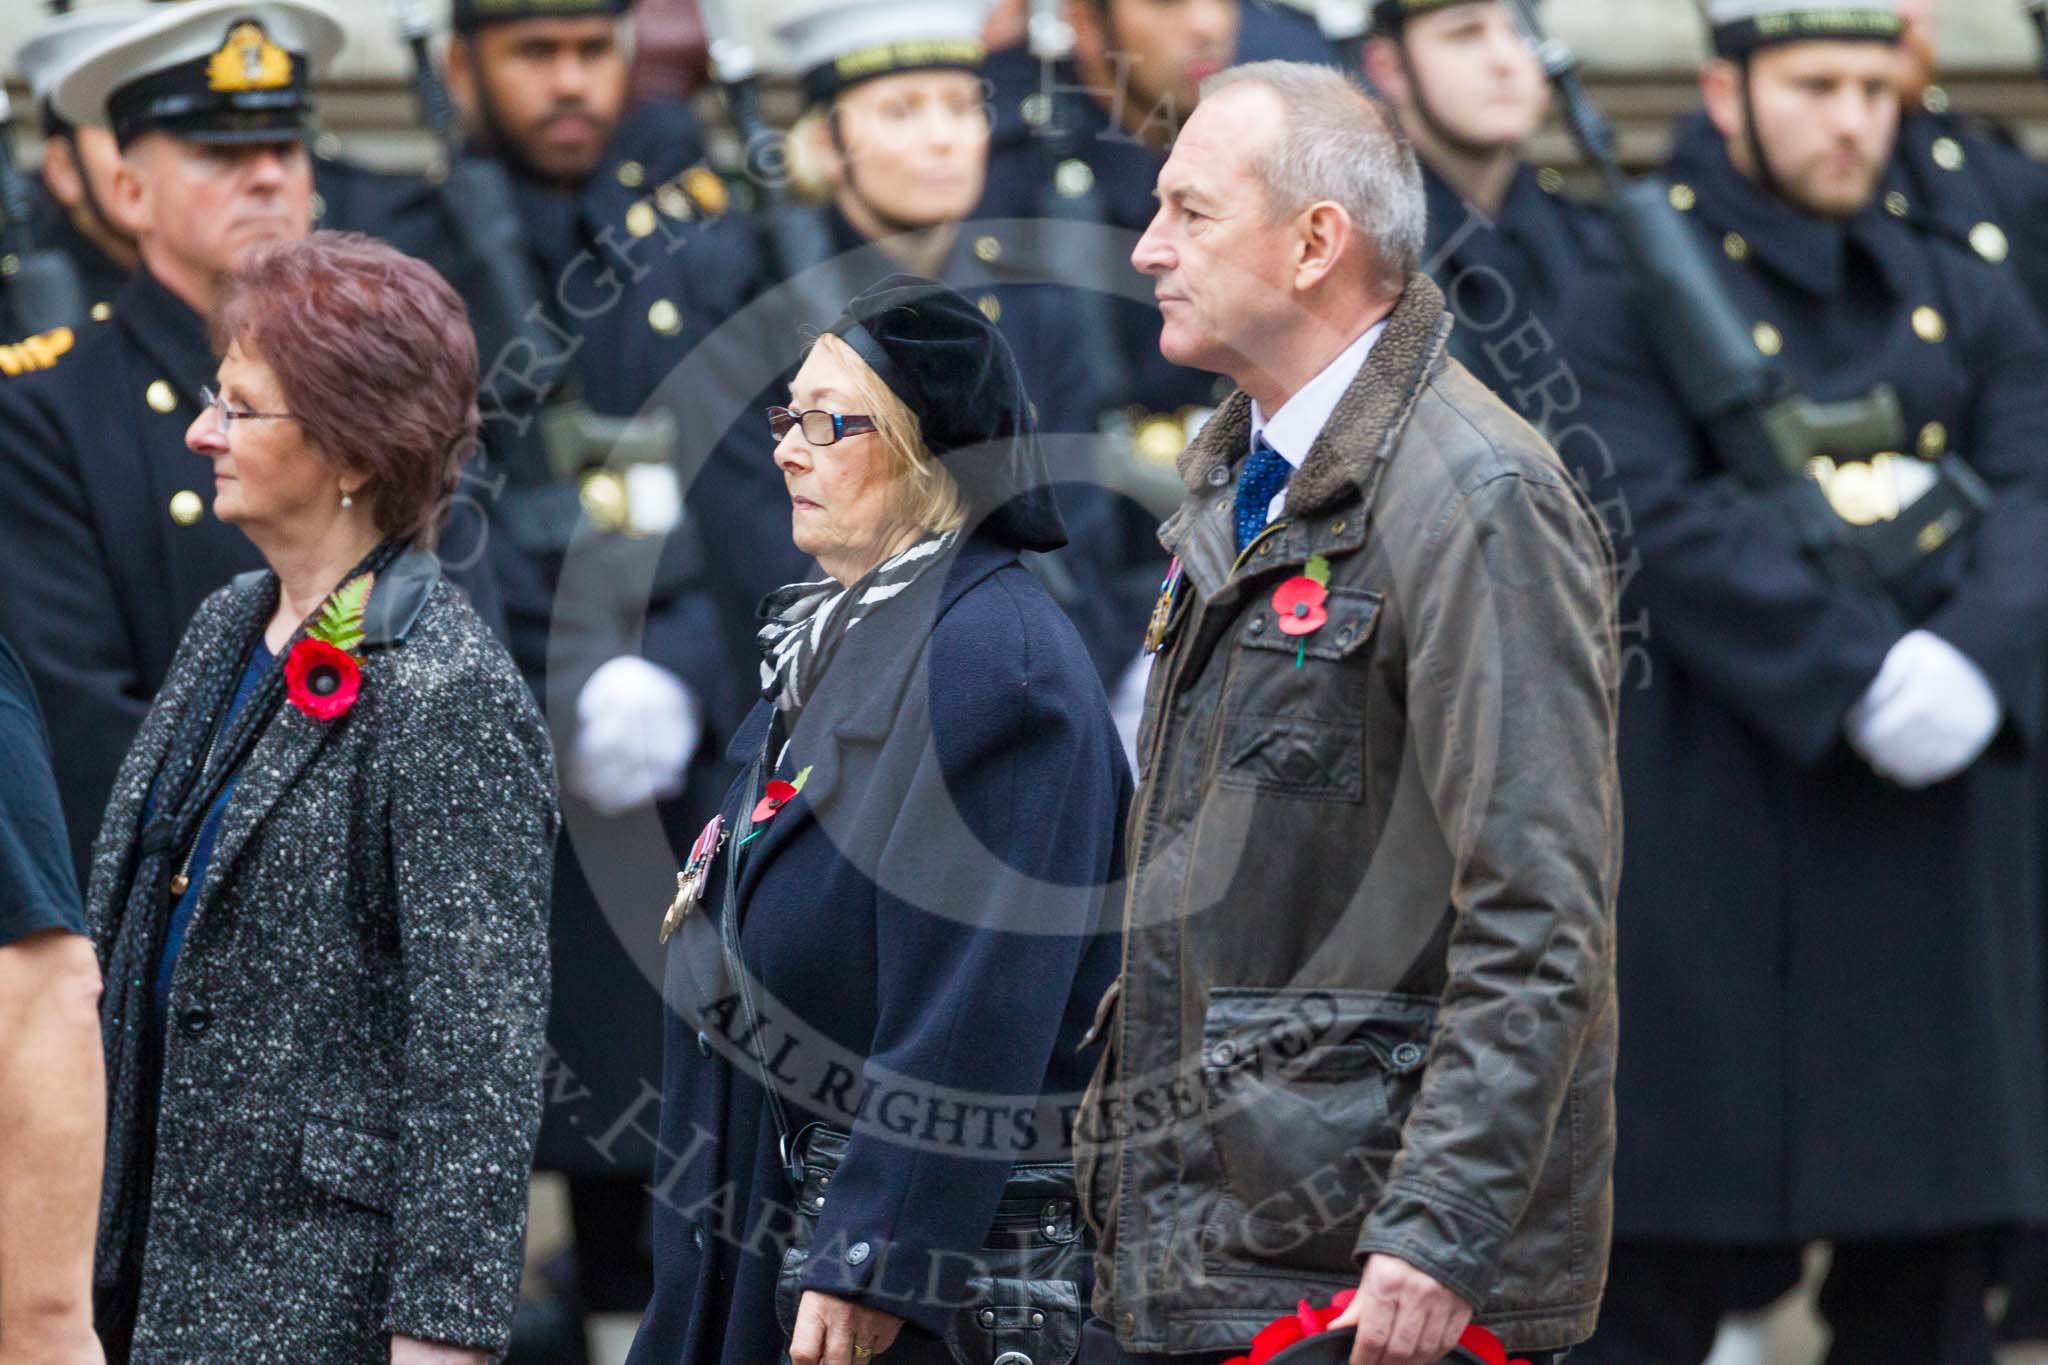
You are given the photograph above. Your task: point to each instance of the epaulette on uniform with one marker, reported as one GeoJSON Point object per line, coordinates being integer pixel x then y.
{"type": "Point", "coordinates": [39, 352]}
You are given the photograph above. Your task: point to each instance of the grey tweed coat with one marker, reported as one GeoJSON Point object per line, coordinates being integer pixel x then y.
{"type": "Point", "coordinates": [351, 1073]}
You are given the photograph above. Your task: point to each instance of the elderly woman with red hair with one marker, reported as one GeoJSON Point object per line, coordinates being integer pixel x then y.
{"type": "Point", "coordinates": [321, 888]}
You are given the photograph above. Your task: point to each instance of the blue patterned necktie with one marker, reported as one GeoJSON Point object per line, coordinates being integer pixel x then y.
{"type": "Point", "coordinates": [1265, 474]}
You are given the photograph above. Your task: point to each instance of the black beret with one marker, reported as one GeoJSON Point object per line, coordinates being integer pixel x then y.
{"type": "Point", "coordinates": [471, 15]}
{"type": "Point", "coordinates": [948, 363]}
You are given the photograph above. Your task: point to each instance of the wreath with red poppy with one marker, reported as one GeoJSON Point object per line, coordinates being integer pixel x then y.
{"type": "Point", "coordinates": [323, 675]}
{"type": "Point", "coordinates": [1308, 1321]}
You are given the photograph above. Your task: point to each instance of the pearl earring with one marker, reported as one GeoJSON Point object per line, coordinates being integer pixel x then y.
{"type": "Point", "coordinates": [347, 501]}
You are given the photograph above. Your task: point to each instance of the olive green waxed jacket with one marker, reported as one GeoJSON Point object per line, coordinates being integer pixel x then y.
{"type": "Point", "coordinates": [1367, 1002]}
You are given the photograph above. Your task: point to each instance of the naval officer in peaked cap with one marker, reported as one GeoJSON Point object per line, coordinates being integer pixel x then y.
{"type": "Point", "coordinates": [112, 543]}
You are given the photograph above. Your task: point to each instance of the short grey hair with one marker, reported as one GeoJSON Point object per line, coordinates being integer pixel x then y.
{"type": "Point", "coordinates": [1342, 144]}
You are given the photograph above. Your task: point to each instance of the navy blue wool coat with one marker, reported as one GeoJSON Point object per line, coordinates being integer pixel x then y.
{"type": "Point", "coordinates": [923, 928]}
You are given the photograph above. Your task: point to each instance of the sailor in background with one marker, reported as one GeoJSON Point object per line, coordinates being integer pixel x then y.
{"type": "Point", "coordinates": [77, 163]}
{"type": "Point", "coordinates": [1831, 879]}
{"type": "Point", "coordinates": [111, 542]}
{"type": "Point", "coordinates": [633, 257]}
{"type": "Point", "coordinates": [1505, 242]}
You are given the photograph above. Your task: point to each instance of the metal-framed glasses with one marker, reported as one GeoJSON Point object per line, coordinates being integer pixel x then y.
{"type": "Point", "coordinates": [821, 428]}
{"type": "Point", "coordinates": [229, 415]}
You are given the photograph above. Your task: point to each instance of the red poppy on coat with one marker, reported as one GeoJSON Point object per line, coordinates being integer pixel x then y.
{"type": "Point", "coordinates": [778, 795]}
{"type": "Point", "coordinates": [1301, 604]}
{"type": "Point", "coordinates": [320, 680]}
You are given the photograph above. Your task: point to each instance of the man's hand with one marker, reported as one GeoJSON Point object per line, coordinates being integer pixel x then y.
{"type": "Point", "coordinates": [413, 1351]}
{"type": "Point", "coordinates": [832, 1331]}
{"type": "Point", "coordinates": [1403, 1316]}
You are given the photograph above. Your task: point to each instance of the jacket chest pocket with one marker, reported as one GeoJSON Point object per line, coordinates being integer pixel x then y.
{"type": "Point", "coordinates": [1294, 706]}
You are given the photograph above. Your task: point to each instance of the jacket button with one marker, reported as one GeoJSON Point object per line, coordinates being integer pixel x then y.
{"type": "Point", "coordinates": [697, 1237]}
{"type": "Point", "coordinates": [704, 1042]}
{"type": "Point", "coordinates": [1407, 1055]}
{"type": "Point", "coordinates": [1223, 1054]}
{"type": "Point", "coordinates": [1258, 625]}
{"type": "Point", "coordinates": [1219, 476]}
{"type": "Point", "coordinates": [988, 1317]}
{"type": "Point", "coordinates": [195, 1021]}
{"type": "Point", "coordinates": [857, 1253]}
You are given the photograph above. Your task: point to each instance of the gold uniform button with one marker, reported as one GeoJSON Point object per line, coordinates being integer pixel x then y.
{"type": "Point", "coordinates": [707, 190]}
{"type": "Point", "coordinates": [187, 507]}
{"type": "Point", "coordinates": [665, 318]}
{"type": "Point", "coordinates": [10, 265]}
{"type": "Point", "coordinates": [640, 219]}
{"type": "Point", "coordinates": [1683, 197]}
{"type": "Point", "coordinates": [1550, 180]}
{"type": "Point", "coordinates": [632, 174]}
{"type": "Point", "coordinates": [1948, 154]}
{"type": "Point", "coordinates": [1929, 325]}
{"type": "Point", "coordinates": [671, 200]}
{"type": "Point", "coordinates": [1768, 339]}
{"type": "Point", "coordinates": [991, 307]}
{"type": "Point", "coordinates": [1933, 441]}
{"type": "Point", "coordinates": [1897, 205]}
{"type": "Point", "coordinates": [1989, 241]}
{"type": "Point", "coordinates": [161, 397]}
{"type": "Point", "coordinates": [988, 249]}
{"type": "Point", "coordinates": [327, 146]}
{"type": "Point", "coordinates": [318, 205]}
{"type": "Point", "coordinates": [1037, 110]}
{"type": "Point", "coordinates": [102, 310]}
{"type": "Point", "coordinates": [1073, 179]}
{"type": "Point", "coordinates": [1935, 100]}
{"type": "Point", "coordinates": [1736, 247]}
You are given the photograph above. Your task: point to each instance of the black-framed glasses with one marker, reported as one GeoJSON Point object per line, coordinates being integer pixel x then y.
{"type": "Point", "coordinates": [228, 415]}
{"type": "Point", "coordinates": [821, 428]}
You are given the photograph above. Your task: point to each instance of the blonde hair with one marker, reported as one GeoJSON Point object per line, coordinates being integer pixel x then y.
{"type": "Point", "coordinates": [930, 496]}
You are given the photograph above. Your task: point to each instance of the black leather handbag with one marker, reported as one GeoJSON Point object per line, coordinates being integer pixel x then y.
{"type": "Point", "coordinates": [1025, 1305]}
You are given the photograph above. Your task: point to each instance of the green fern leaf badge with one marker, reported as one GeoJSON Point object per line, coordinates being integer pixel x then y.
{"type": "Point", "coordinates": [341, 620]}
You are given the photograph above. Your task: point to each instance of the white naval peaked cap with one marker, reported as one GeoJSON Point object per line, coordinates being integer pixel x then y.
{"type": "Point", "coordinates": [54, 46]}
{"type": "Point", "coordinates": [196, 68]}
{"type": "Point", "coordinates": [837, 43]}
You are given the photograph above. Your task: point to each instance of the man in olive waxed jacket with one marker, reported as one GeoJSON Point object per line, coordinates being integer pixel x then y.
{"type": "Point", "coordinates": [1366, 1031]}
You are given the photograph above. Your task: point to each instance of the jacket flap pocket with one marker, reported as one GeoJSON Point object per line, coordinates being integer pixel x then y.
{"type": "Point", "coordinates": [349, 1162]}
{"type": "Point", "coordinates": [1352, 613]}
{"type": "Point", "coordinates": [1318, 1034]}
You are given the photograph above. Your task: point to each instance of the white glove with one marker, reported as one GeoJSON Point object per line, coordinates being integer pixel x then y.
{"type": "Point", "coordinates": [637, 728]}
{"type": "Point", "coordinates": [1929, 715]}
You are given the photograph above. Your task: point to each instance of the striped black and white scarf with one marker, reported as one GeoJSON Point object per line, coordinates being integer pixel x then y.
{"type": "Point", "coordinates": [806, 622]}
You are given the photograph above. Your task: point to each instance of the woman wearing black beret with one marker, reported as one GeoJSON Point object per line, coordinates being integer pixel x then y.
{"type": "Point", "coordinates": [898, 914]}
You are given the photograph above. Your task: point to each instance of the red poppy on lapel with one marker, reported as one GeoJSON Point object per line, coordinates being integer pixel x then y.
{"type": "Point", "coordinates": [320, 680]}
{"type": "Point", "coordinates": [1302, 606]}
{"type": "Point", "coordinates": [778, 795]}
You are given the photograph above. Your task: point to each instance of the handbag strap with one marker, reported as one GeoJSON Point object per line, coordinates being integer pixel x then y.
{"type": "Point", "coordinates": [735, 967]}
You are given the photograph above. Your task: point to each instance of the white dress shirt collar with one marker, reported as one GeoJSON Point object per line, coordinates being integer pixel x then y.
{"type": "Point", "coordinates": [1293, 430]}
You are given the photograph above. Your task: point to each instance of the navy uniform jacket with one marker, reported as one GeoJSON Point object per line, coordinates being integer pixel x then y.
{"type": "Point", "coordinates": [1833, 985]}
{"type": "Point", "coordinates": [350, 197]}
{"type": "Point", "coordinates": [1965, 181]}
{"type": "Point", "coordinates": [1509, 280]}
{"type": "Point", "coordinates": [638, 268]}
{"type": "Point", "coordinates": [111, 542]}
{"type": "Point", "coordinates": [958, 737]}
